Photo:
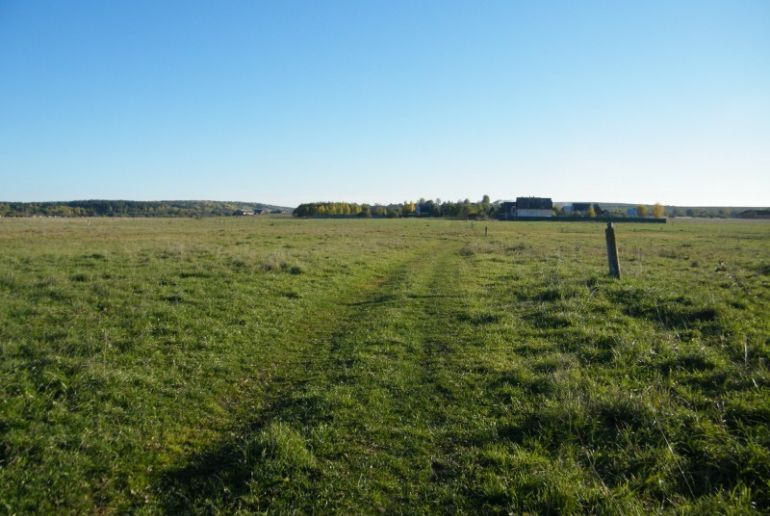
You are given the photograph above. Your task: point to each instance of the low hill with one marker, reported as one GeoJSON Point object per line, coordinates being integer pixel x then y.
{"type": "Point", "coordinates": [120, 208]}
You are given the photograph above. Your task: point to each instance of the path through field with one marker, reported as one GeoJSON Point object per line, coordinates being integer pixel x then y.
{"type": "Point", "coordinates": [383, 390]}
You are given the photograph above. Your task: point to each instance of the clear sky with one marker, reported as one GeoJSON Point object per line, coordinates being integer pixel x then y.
{"type": "Point", "coordinates": [383, 101]}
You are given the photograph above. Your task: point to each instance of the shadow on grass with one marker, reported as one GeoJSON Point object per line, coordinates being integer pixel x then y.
{"type": "Point", "coordinates": [266, 463]}
{"type": "Point", "coordinates": [671, 312]}
{"type": "Point", "coordinates": [377, 300]}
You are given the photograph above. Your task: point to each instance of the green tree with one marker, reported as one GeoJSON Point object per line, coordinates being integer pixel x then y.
{"type": "Point", "coordinates": [658, 211]}
{"type": "Point", "coordinates": [641, 210]}
{"type": "Point", "coordinates": [485, 206]}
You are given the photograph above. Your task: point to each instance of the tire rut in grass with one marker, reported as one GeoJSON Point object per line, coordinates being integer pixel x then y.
{"type": "Point", "coordinates": [352, 428]}
{"type": "Point", "coordinates": [396, 357]}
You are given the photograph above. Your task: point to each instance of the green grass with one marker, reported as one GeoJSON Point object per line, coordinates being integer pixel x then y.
{"type": "Point", "coordinates": [363, 366]}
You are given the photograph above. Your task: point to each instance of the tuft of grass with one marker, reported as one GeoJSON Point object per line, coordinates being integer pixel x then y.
{"type": "Point", "coordinates": [282, 450]}
{"type": "Point", "coordinates": [278, 263]}
{"type": "Point", "coordinates": [79, 277]}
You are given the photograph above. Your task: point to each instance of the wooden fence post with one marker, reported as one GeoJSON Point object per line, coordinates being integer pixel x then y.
{"type": "Point", "coordinates": [486, 231]}
{"type": "Point", "coordinates": [612, 251]}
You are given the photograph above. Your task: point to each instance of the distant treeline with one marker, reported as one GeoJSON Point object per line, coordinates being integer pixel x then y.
{"type": "Point", "coordinates": [98, 208]}
{"type": "Point", "coordinates": [755, 214]}
{"type": "Point", "coordinates": [464, 209]}
{"type": "Point", "coordinates": [485, 209]}
{"type": "Point", "coordinates": [721, 213]}
{"type": "Point", "coordinates": [422, 208]}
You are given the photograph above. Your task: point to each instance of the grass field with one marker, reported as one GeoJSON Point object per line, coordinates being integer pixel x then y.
{"type": "Point", "coordinates": [363, 366]}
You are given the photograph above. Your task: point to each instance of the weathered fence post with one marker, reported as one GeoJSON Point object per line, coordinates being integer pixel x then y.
{"type": "Point", "coordinates": [612, 251]}
{"type": "Point", "coordinates": [486, 231]}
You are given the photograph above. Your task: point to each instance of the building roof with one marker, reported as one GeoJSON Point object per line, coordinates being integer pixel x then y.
{"type": "Point", "coordinates": [534, 203]}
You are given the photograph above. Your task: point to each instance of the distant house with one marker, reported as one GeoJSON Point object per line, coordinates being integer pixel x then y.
{"type": "Point", "coordinates": [534, 207]}
{"type": "Point", "coordinates": [259, 211]}
{"type": "Point", "coordinates": [508, 210]}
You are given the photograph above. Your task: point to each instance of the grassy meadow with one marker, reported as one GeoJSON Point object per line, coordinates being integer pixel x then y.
{"type": "Point", "coordinates": [363, 366]}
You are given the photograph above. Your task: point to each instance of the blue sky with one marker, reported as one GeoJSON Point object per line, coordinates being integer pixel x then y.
{"type": "Point", "coordinates": [384, 101]}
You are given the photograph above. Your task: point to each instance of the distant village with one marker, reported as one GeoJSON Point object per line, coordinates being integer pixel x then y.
{"type": "Point", "coordinates": [544, 208]}
{"type": "Point", "coordinates": [523, 208]}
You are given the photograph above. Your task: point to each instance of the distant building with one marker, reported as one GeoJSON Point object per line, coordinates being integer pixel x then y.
{"type": "Point", "coordinates": [508, 210]}
{"type": "Point", "coordinates": [259, 211]}
{"type": "Point", "coordinates": [534, 207]}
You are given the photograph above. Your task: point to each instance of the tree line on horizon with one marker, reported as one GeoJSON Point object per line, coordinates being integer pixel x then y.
{"type": "Point", "coordinates": [461, 209]}
{"type": "Point", "coordinates": [485, 209]}
{"type": "Point", "coordinates": [465, 209]}
{"type": "Point", "coordinates": [108, 208]}
{"type": "Point", "coordinates": [422, 208]}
